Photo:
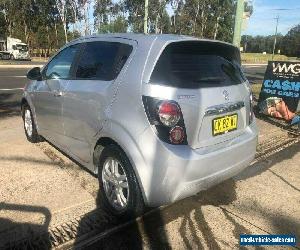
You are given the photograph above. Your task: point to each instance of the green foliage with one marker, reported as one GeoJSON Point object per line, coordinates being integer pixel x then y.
{"type": "Point", "coordinates": [48, 24]}
{"type": "Point", "coordinates": [39, 22]}
{"type": "Point", "coordinates": [288, 45]}
{"type": "Point", "coordinates": [291, 45]}
{"type": "Point", "coordinates": [119, 25]}
{"type": "Point", "coordinates": [3, 27]}
{"type": "Point", "coordinates": [248, 7]}
{"type": "Point", "coordinates": [211, 19]}
{"type": "Point", "coordinates": [259, 44]}
{"type": "Point", "coordinates": [201, 18]}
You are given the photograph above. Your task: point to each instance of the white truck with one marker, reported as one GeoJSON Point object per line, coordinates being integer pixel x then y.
{"type": "Point", "coordinates": [14, 49]}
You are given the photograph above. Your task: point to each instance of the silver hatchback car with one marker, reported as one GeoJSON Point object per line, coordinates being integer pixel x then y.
{"type": "Point", "coordinates": [157, 117]}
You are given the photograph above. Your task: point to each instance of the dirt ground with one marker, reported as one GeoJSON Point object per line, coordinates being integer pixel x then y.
{"type": "Point", "coordinates": [264, 199]}
{"type": "Point", "coordinates": [42, 191]}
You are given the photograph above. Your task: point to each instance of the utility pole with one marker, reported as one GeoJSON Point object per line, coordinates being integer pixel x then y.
{"type": "Point", "coordinates": [238, 23]}
{"type": "Point", "coordinates": [146, 17]}
{"type": "Point", "coordinates": [275, 37]}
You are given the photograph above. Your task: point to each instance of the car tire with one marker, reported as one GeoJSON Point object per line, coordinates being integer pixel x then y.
{"type": "Point", "coordinates": [12, 57]}
{"type": "Point", "coordinates": [29, 125]}
{"type": "Point", "coordinates": [113, 155]}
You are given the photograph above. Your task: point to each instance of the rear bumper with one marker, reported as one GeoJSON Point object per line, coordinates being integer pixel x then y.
{"type": "Point", "coordinates": [179, 171]}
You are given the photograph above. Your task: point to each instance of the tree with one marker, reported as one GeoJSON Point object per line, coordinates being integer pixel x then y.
{"type": "Point", "coordinates": [204, 18]}
{"type": "Point", "coordinates": [62, 7]}
{"type": "Point", "coordinates": [259, 44]}
{"type": "Point", "coordinates": [291, 45]}
{"type": "Point", "coordinates": [3, 27]}
{"type": "Point", "coordinates": [34, 21]}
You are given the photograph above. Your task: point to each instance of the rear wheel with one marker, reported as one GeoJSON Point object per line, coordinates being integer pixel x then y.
{"type": "Point", "coordinates": [119, 188]}
{"type": "Point", "coordinates": [29, 125]}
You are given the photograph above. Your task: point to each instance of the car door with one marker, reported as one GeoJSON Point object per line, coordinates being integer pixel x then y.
{"type": "Point", "coordinates": [49, 94]}
{"type": "Point", "coordinates": [90, 92]}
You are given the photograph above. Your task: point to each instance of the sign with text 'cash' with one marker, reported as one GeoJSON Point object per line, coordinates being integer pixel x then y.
{"type": "Point", "coordinates": [280, 92]}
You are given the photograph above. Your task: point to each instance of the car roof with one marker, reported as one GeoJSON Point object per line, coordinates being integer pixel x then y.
{"type": "Point", "coordinates": [141, 38]}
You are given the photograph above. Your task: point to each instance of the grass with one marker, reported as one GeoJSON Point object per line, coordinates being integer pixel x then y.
{"type": "Point", "coordinates": [256, 87]}
{"type": "Point", "coordinates": [261, 58]}
{"type": "Point", "coordinates": [6, 62]}
{"type": "Point", "coordinates": [39, 59]}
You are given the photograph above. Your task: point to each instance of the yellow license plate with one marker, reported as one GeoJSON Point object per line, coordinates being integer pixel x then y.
{"type": "Point", "coordinates": [225, 124]}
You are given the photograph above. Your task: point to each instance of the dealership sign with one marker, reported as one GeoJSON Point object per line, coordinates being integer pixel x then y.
{"type": "Point", "coordinates": [280, 92]}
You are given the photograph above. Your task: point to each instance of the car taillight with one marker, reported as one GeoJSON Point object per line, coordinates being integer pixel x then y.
{"type": "Point", "coordinates": [169, 113]}
{"type": "Point", "coordinates": [251, 113]}
{"type": "Point", "coordinates": [166, 118]}
{"type": "Point", "coordinates": [177, 135]}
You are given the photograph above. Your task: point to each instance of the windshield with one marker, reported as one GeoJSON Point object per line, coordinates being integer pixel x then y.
{"type": "Point", "coordinates": [22, 47]}
{"type": "Point", "coordinates": [198, 64]}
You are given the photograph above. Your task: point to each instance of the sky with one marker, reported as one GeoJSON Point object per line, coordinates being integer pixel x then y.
{"type": "Point", "coordinates": [262, 21]}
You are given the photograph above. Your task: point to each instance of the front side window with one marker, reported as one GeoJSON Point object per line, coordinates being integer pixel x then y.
{"type": "Point", "coordinates": [102, 60]}
{"type": "Point", "coordinates": [60, 65]}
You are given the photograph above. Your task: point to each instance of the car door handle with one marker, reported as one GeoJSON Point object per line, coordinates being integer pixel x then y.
{"type": "Point", "coordinates": [57, 93]}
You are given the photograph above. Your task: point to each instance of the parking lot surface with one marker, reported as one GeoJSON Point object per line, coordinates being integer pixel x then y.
{"type": "Point", "coordinates": [42, 189]}
{"type": "Point", "coordinates": [47, 200]}
{"type": "Point", "coordinates": [36, 190]}
{"type": "Point", "coordinates": [264, 199]}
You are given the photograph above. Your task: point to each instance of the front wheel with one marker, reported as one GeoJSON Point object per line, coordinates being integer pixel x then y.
{"type": "Point", "coordinates": [119, 189]}
{"type": "Point", "coordinates": [29, 125]}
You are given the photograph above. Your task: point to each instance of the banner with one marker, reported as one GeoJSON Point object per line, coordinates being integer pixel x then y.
{"type": "Point", "coordinates": [280, 92]}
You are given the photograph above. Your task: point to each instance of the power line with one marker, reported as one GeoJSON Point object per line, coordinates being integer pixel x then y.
{"type": "Point", "coordinates": [283, 9]}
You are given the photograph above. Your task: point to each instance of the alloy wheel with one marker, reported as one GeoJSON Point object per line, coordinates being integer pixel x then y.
{"type": "Point", "coordinates": [115, 183]}
{"type": "Point", "coordinates": [28, 122]}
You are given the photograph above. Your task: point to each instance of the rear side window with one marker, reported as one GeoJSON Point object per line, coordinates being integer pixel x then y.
{"type": "Point", "coordinates": [102, 60]}
{"type": "Point", "coordinates": [196, 64]}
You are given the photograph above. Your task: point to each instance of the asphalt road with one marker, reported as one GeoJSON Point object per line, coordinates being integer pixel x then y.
{"type": "Point", "coordinates": [255, 73]}
{"type": "Point", "coordinates": [13, 79]}
{"type": "Point", "coordinates": [9, 62]}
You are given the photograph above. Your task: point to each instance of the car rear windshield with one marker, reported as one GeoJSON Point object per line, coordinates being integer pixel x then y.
{"type": "Point", "coordinates": [196, 64]}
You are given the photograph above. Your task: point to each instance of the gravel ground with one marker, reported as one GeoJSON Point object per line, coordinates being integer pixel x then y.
{"type": "Point", "coordinates": [37, 191]}
{"type": "Point", "coordinates": [41, 190]}
{"type": "Point", "coordinates": [264, 199]}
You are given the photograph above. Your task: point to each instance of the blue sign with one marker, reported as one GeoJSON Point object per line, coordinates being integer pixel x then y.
{"type": "Point", "coordinates": [280, 92]}
{"type": "Point", "coordinates": [267, 240]}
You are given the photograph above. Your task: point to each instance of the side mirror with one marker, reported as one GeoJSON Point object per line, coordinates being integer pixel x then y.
{"type": "Point", "coordinates": [34, 74]}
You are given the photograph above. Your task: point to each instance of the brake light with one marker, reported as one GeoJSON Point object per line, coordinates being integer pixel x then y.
{"type": "Point", "coordinates": [169, 113]}
{"type": "Point", "coordinates": [166, 118]}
